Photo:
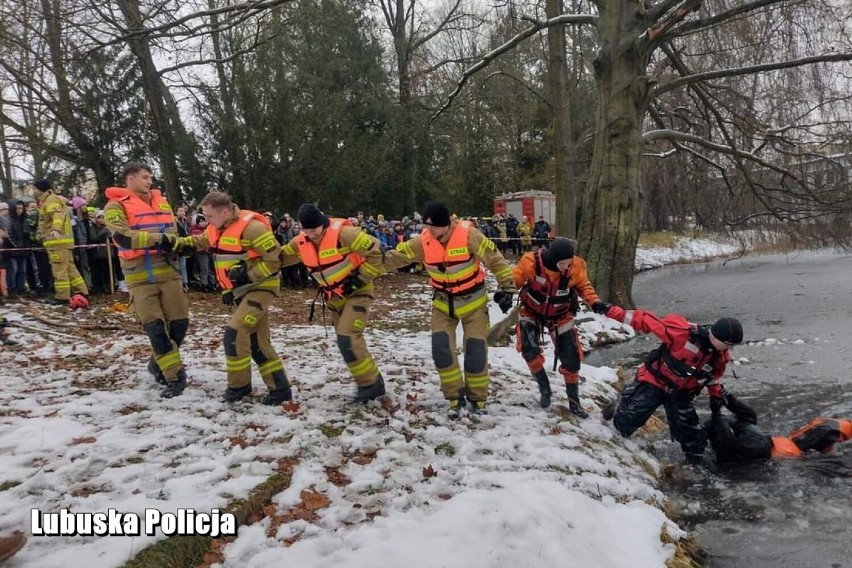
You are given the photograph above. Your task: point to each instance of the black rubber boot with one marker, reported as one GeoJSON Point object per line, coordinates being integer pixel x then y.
{"type": "Point", "coordinates": [276, 397]}
{"type": "Point", "coordinates": [543, 388]}
{"type": "Point", "coordinates": [233, 395]}
{"type": "Point", "coordinates": [456, 407]}
{"type": "Point", "coordinates": [574, 406]}
{"type": "Point", "coordinates": [608, 410]}
{"type": "Point", "coordinates": [176, 387]}
{"type": "Point", "coordinates": [372, 392]}
{"type": "Point", "coordinates": [155, 371]}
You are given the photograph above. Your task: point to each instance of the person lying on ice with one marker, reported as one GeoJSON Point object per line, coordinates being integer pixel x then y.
{"type": "Point", "coordinates": [737, 441]}
{"type": "Point", "coordinates": [689, 358]}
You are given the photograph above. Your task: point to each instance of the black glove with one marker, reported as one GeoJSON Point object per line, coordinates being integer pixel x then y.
{"type": "Point", "coordinates": [740, 409]}
{"type": "Point", "coordinates": [228, 298]}
{"type": "Point", "coordinates": [238, 274]}
{"type": "Point", "coordinates": [504, 300]}
{"type": "Point", "coordinates": [601, 308]}
{"type": "Point", "coordinates": [350, 284]}
{"type": "Point", "coordinates": [167, 242]}
{"type": "Point", "coordinates": [716, 407]}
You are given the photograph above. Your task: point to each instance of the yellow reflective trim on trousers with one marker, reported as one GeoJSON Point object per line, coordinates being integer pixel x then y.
{"type": "Point", "coordinates": [62, 284]}
{"type": "Point", "coordinates": [450, 375]}
{"type": "Point", "coordinates": [362, 366]}
{"type": "Point", "coordinates": [461, 309]}
{"type": "Point", "coordinates": [168, 360]}
{"type": "Point", "coordinates": [240, 364]}
{"type": "Point", "coordinates": [476, 382]}
{"type": "Point", "coordinates": [77, 281]}
{"type": "Point", "coordinates": [271, 366]}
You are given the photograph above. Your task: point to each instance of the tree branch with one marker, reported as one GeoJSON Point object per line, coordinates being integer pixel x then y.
{"type": "Point", "coordinates": [515, 40]}
{"type": "Point", "coordinates": [735, 71]}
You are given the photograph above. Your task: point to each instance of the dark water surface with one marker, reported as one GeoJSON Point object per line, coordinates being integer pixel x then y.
{"type": "Point", "coordinates": [796, 364]}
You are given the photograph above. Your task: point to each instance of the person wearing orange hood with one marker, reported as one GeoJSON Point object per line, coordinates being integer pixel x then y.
{"type": "Point", "coordinates": [143, 228]}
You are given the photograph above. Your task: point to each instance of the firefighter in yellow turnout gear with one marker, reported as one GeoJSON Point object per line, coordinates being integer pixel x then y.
{"type": "Point", "coordinates": [246, 259]}
{"type": "Point", "coordinates": [54, 230]}
{"type": "Point", "coordinates": [344, 261]}
{"type": "Point", "coordinates": [453, 253]}
{"type": "Point", "coordinates": [143, 228]}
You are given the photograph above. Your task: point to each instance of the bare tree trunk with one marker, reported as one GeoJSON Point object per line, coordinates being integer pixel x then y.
{"type": "Point", "coordinates": [164, 116]}
{"type": "Point", "coordinates": [89, 155]}
{"type": "Point", "coordinates": [566, 195]}
{"type": "Point", "coordinates": [6, 171]}
{"type": "Point", "coordinates": [613, 206]}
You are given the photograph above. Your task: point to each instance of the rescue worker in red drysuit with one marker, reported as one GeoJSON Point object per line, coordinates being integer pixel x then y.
{"type": "Point", "coordinates": [689, 358]}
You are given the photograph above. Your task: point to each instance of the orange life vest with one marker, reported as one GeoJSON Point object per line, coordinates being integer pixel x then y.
{"type": "Point", "coordinates": [326, 263]}
{"type": "Point", "coordinates": [822, 434]}
{"type": "Point", "coordinates": [155, 217]}
{"type": "Point", "coordinates": [228, 246]}
{"type": "Point", "coordinates": [784, 448]}
{"type": "Point", "coordinates": [453, 269]}
{"type": "Point", "coordinates": [547, 299]}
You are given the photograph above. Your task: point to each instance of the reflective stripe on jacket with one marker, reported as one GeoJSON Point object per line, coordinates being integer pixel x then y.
{"type": "Point", "coordinates": [229, 247]}
{"type": "Point", "coordinates": [452, 269]}
{"type": "Point", "coordinates": [329, 264]}
{"type": "Point", "coordinates": [153, 218]}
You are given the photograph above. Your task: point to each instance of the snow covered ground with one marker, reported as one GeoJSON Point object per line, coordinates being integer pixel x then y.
{"type": "Point", "coordinates": [84, 429]}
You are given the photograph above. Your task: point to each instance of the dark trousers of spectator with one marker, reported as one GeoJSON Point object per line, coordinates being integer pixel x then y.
{"type": "Point", "coordinates": [16, 274]}
{"type": "Point", "coordinates": [33, 275]}
{"type": "Point", "coordinates": [45, 274]}
{"type": "Point", "coordinates": [100, 276]}
{"type": "Point", "coordinates": [292, 276]}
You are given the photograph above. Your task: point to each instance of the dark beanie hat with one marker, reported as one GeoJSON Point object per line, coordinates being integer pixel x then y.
{"type": "Point", "coordinates": [42, 184]}
{"type": "Point", "coordinates": [310, 216]}
{"type": "Point", "coordinates": [728, 330]}
{"type": "Point", "coordinates": [560, 249]}
{"type": "Point", "coordinates": [436, 214]}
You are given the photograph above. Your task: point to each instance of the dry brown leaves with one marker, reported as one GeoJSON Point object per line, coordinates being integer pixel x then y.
{"type": "Point", "coordinates": [429, 471]}
{"type": "Point", "coordinates": [84, 440]}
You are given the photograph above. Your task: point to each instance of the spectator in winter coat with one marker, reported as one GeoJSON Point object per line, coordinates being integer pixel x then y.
{"type": "Point", "coordinates": [16, 260]}
{"type": "Point", "coordinates": [541, 232]}
{"type": "Point", "coordinates": [512, 233]}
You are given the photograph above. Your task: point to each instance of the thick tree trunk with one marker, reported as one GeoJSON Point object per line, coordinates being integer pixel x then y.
{"type": "Point", "coordinates": [613, 205]}
{"type": "Point", "coordinates": [566, 193]}
{"type": "Point", "coordinates": [156, 94]}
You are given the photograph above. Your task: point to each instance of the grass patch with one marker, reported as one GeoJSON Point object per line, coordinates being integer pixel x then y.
{"type": "Point", "coordinates": [658, 239]}
{"type": "Point", "coordinates": [445, 448]}
{"type": "Point", "coordinates": [331, 431]}
{"type": "Point", "coordinates": [6, 485]}
{"type": "Point", "coordinates": [190, 551]}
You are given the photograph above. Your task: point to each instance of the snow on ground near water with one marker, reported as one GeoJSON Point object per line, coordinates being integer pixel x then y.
{"type": "Point", "coordinates": [84, 428]}
{"type": "Point", "coordinates": [684, 250]}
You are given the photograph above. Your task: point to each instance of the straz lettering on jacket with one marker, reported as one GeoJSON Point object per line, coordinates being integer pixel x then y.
{"type": "Point", "coordinates": [229, 247]}
{"type": "Point", "coordinates": [154, 217]}
{"type": "Point", "coordinates": [549, 299]}
{"type": "Point", "coordinates": [687, 368]}
{"type": "Point", "coordinates": [329, 264]}
{"type": "Point", "coordinates": [453, 269]}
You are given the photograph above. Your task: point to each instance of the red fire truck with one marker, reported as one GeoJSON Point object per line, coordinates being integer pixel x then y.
{"type": "Point", "coordinates": [533, 204]}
